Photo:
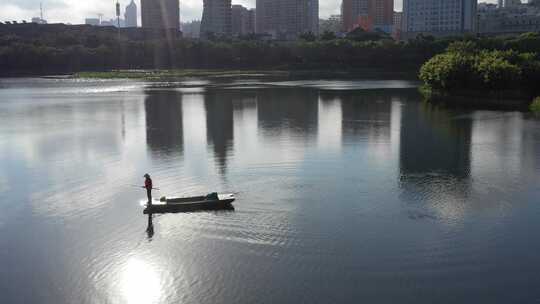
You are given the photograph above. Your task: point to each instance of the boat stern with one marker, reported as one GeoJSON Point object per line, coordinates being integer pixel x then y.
{"type": "Point", "coordinates": [226, 197]}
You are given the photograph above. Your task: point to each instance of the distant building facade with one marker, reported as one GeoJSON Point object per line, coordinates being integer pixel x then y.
{"type": "Point", "coordinates": [398, 25]}
{"type": "Point", "coordinates": [287, 19]}
{"type": "Point", "coordinates": [252, 20]}
{"type": "Point", "coordinates": [511, 18]}
{"type": "Point", "coordinates": [368, 14]}
{"type": "Point", "coordinates": [511, 3]}
{"type": "Point", "coordinates": [160, 14]}
{"type": "Point", "coordinates": [110, 22]}
{"type": "Point", "coordinates": [216, 18]}
{"type": "Point", "coordinates": [382, 12]}
{"type": "Point", "coordinates": [332, 24]}
{"type": "Point", "coordinates": [191, 29]}
{"type": "Point", "coordinates": [113, 22]}
{"type": "Point", "coordinates": [487, 7]}
{"type": "Point", "coordinates": [352, 11]}
{"type": "Point", "coordinates": [398, 18]}
{"type": "Point", "coordinates": [242, 20]}
{"type": "Point", "coordinates": [439, 18]}
{"type": "Point", "coordinates": [131, 14]}
{"type": "Point", "coordinates": [92, 21]}
{"type": "Point", "coordinates": [267, 18]}
{"type": "Point", "coordinates": [39, 20]}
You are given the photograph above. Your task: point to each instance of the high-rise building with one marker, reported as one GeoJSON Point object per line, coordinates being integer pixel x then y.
{"type": "Point", "coordinates": [241, 23]}
{"type": "Point", "coordinates": [252, 15]}
{"type": "Point", "coordinates": [216, 18]}
{"type": "Point", "coordinates": [238, 13]}
{"type": "Point", "coordinates": [160, 14]}
{"type": "Point", "coordinates": [382, 14]}
{"type": "Point", "coordinates": [368, 14]}
{"type": "Point", "coordinates": [287, 19]}
{"type": "Point", "coordinates": [352, 11]}
{"type": "Point", "coordinates": [439, 17]}
{"type": "Point", "coordinates": [131, 14]}
{"type": "Point", "coordinates": [398, 17]}
{"type": "Point", "coordinates": [267, 18]}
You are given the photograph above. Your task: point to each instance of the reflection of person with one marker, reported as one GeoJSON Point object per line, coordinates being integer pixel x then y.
{"type": "Point", "coordinates": [150, 228]}
{"type": "Point", "coordinates": [148, 187]}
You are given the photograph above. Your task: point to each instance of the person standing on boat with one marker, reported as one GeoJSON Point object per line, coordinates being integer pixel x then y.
{"type": "Point", "coordinates": [148, 186]}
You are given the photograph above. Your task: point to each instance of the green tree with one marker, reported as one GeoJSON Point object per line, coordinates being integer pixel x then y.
{"type": "Point", "coordinates": [496, 72]}
{"type": "Point", "coordinates": [327, 35]}
{"type": "Point", "coordinates": [447, 71]}
{"type": "Point", "coordinates": [308, 36]}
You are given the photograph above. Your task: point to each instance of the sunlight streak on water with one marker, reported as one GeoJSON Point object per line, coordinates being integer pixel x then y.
{"type": "Point", "coordinates": [140, 283]}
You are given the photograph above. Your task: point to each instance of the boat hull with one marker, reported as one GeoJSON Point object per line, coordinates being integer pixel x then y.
{"type": "Point", "coordinates": [191, 204]}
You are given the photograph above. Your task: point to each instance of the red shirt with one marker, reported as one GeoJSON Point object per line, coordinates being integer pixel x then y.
{"type": "Point", "coordinates": [148, 184]}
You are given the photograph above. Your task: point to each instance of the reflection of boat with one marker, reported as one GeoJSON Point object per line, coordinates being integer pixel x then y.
{"type": "Point", "coordinates": [189, 204]}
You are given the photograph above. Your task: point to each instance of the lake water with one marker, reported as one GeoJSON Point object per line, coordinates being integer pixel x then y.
{"type": "Point", "coordinates": [348, 192]}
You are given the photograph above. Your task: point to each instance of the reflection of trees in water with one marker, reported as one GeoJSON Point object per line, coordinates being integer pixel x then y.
{"type": "Point", "coordinates": [219, 125]}
{"type": "Point", "coordinates": [164, 129]}
{"type": "Point", "coordinates": [288, 111]}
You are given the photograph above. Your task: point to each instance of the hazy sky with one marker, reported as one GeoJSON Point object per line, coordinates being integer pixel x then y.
{"type": "Point", "coordinates": [74, 11]}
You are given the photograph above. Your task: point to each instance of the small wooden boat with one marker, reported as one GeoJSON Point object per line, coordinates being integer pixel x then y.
{"type": "Point", "coordinates": [212, 201]}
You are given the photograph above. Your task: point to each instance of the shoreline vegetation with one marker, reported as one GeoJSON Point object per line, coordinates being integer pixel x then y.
{"type": "Point", "coordinates": [162, 74]}
{"type": "Point", "coordinates": [67, 50]}
{"type": "Point", "coordinates": [535, 106]}
{"type": "Point", "coordinates": [471, 75]}
{"type": "Point", "coordinates": [458, 70]}
{"type": "Point", "coordinates": [60, 49]}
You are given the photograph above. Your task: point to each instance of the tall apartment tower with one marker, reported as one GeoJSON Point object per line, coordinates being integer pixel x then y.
{"type": "Point", "coordinates": [242, 20]}
{"type": "Point", "coordinates": [216, 18]}
{"type": "Point", "coordinates": [252, 15]}
{"type": "Point", "coordinates": [368, 14]}
{"type": "Point", "coordinates": [287, 19]}
{"type": "Point", "coordinates": [160, 14]}
{"type": "Point", "coordinates": [439, 17]}
{"type": "Point", "coordinates": [352, 11]}
{"type": "Point", "coordinates": [398, 17]}
{"type": "Point", "coordinates": [267, 16]}
{"type": "Point", "coordinates": [382, 14]}
{"type": "Point", "coordinates": [131, 14]}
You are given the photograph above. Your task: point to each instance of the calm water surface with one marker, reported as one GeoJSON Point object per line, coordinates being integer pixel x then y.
{"type": "Point", "coordinates": [348, 192]}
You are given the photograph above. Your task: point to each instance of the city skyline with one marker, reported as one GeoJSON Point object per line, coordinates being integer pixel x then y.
{"type": "Point", "coordinates": [64, 11]}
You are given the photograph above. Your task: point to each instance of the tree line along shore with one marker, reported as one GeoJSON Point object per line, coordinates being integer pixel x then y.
{"type": "Point", "coordinates": [447, 66]}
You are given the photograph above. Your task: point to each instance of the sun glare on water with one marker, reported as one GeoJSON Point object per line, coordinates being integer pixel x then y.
{"type": "Point", "coordinates": [140, 283]}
